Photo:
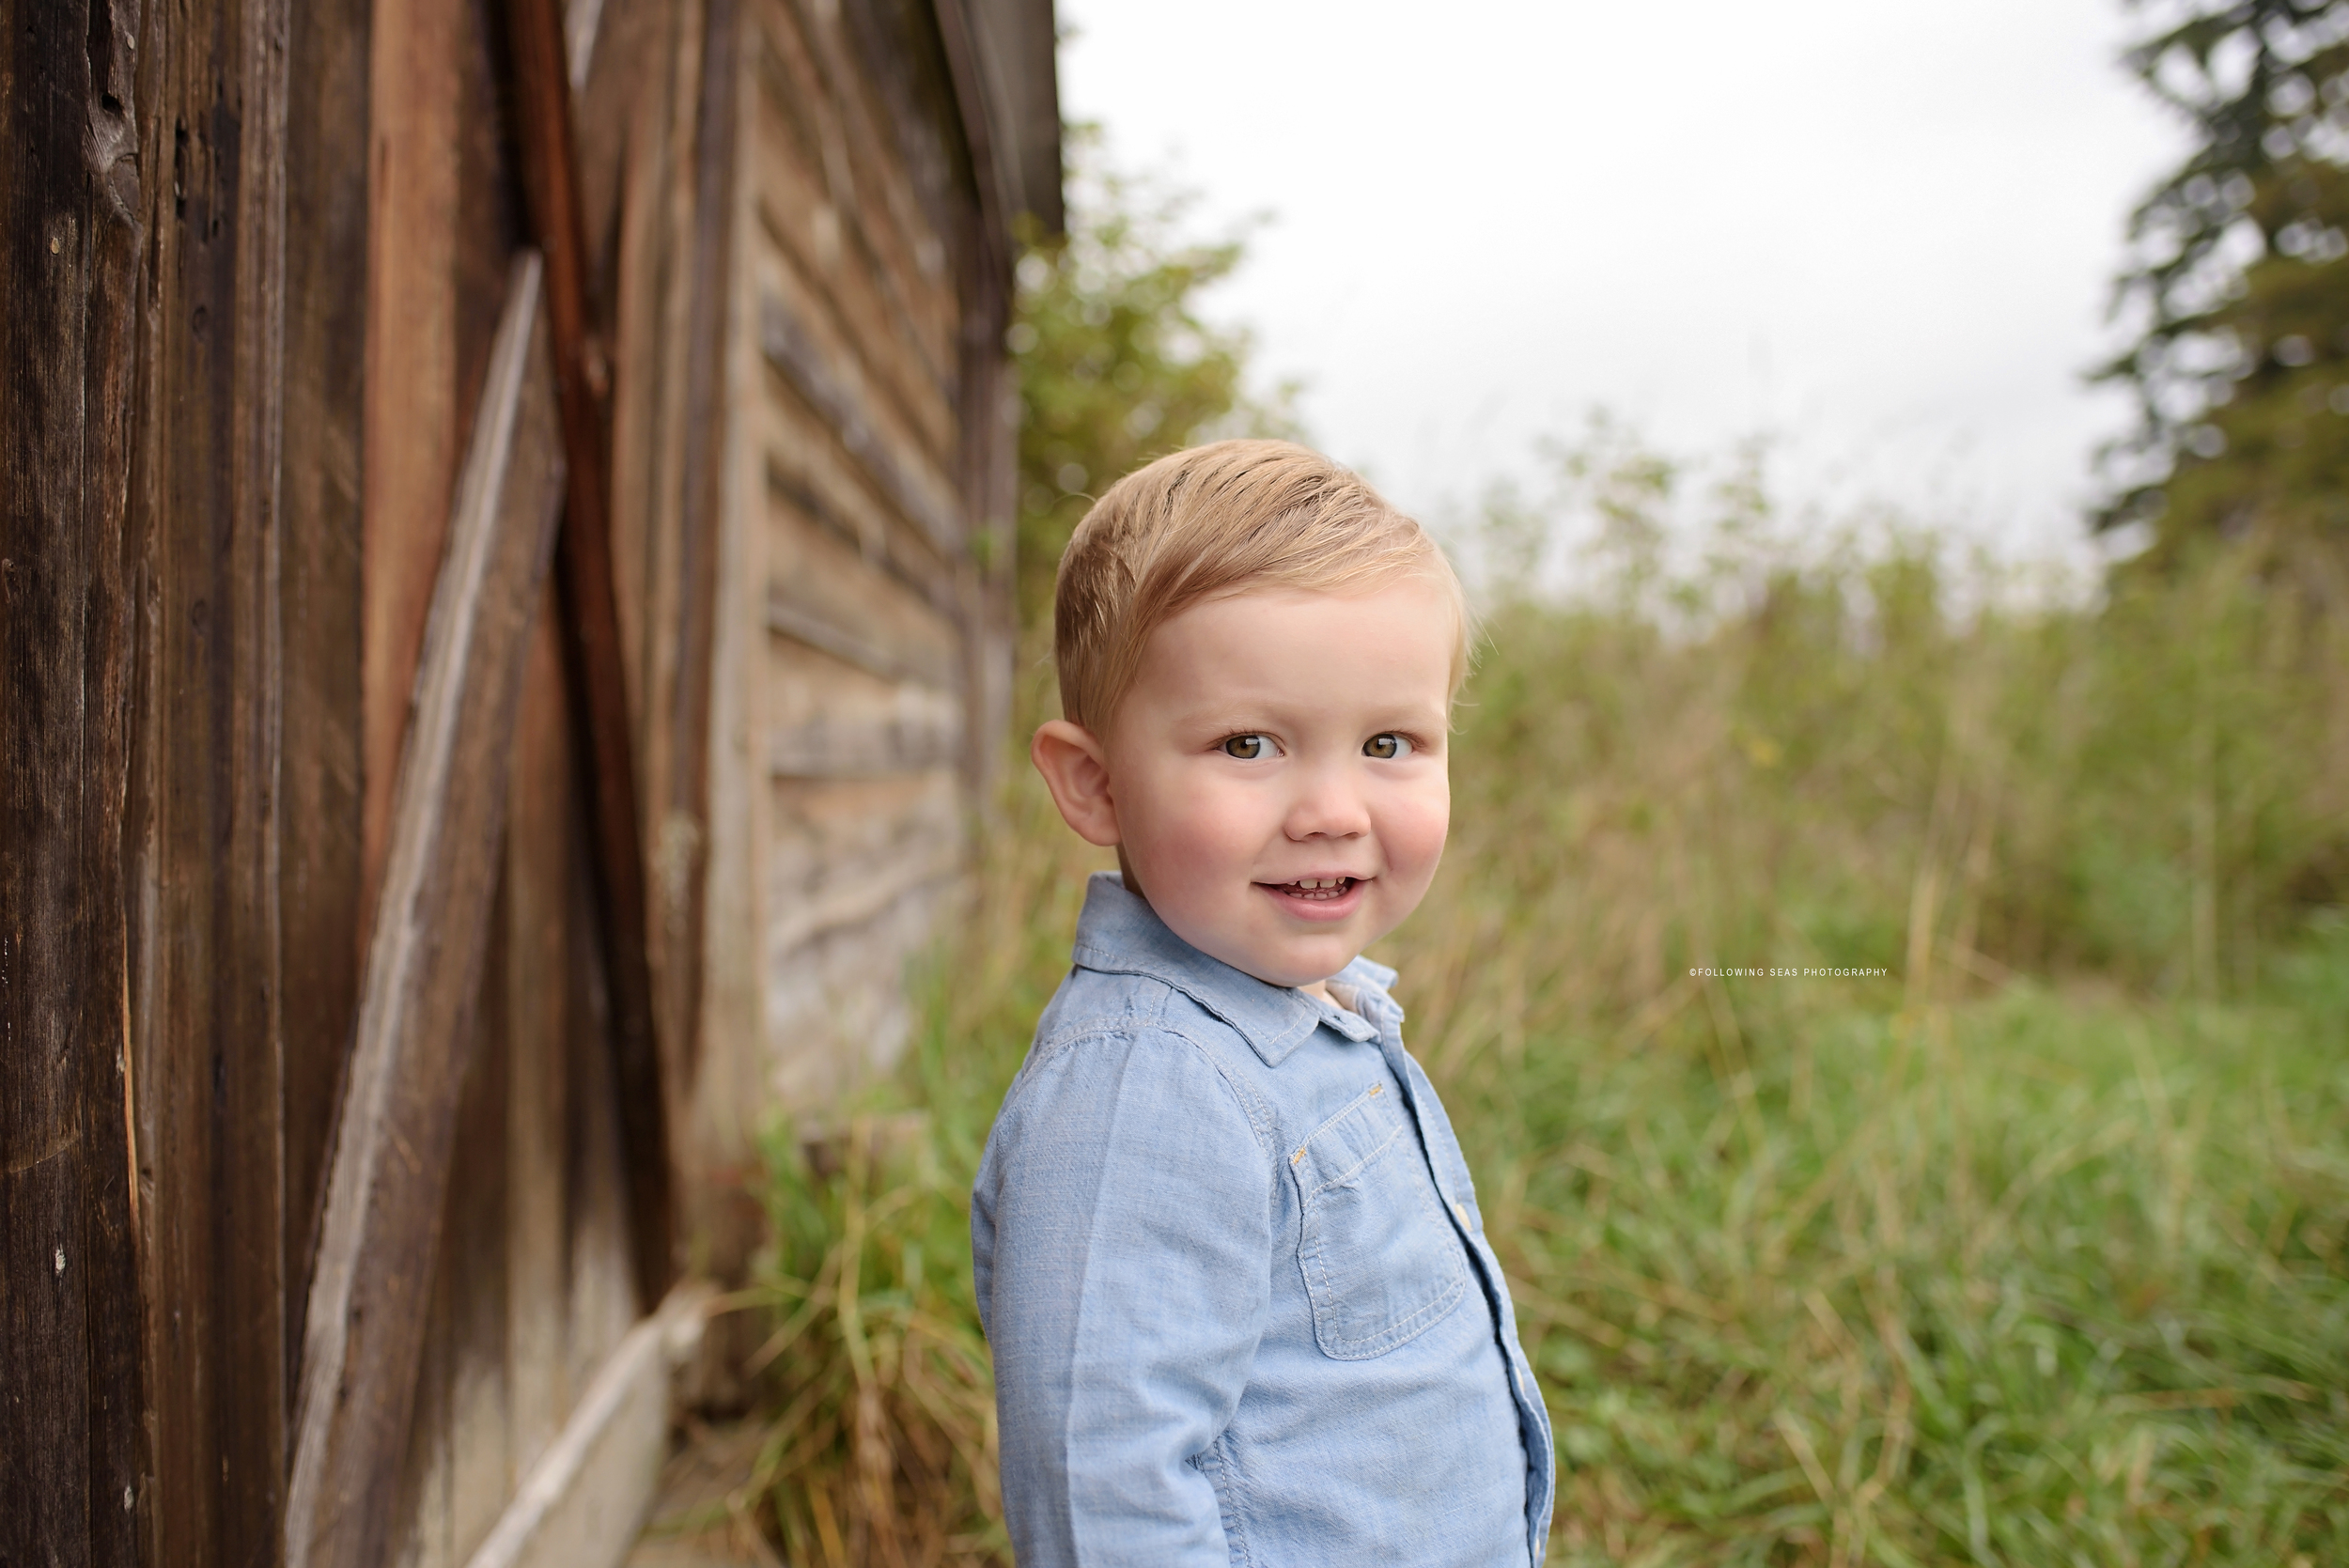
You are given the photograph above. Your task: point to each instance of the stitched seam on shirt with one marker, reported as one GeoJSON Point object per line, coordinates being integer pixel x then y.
{"type": "Point", "coordinates": [1227, 1502]}
{"type": "Point", "coordinates": [1361, 1165]}
{"type": "Point", "coordinates": [1404, 1329]}
{"type": "Point", "coordinates": [1278, 1044]}
{"type": "Point", "coordinates": [1253, 1106]}
{"type": "Point", "coordinates": [1342, 1112]}
{"type": "Point", "coordinates": [1397, 1334]}
{"type": "Point", "coordinates": [1098, 1026]}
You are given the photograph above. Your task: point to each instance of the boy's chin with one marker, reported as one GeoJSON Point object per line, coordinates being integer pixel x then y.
{"type": "Point", "coordinates": [1294, 964]}
{"type": "Point", "coordinates": [1276, 962]}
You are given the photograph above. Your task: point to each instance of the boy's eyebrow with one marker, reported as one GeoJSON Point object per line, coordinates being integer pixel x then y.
{"type": "Point", "coordinates": [1240, 717]}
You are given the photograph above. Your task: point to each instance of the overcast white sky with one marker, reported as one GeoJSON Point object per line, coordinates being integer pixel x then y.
{"type": "Point", "coordinates": [1882, 229]}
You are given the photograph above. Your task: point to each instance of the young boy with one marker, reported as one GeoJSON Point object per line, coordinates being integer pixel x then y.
{"type": "Point", "coordinates": [1230, 1262]}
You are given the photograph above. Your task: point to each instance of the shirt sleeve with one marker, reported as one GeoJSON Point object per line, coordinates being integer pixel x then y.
{"type": "Point", "coordinates": [1124, 1211]}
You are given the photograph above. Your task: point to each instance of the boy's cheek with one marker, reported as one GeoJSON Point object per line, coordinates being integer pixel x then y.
{"type": "Point", "coordinates": [1417, 827]}
{"type": "Point", "coordinates": [1197, 812]}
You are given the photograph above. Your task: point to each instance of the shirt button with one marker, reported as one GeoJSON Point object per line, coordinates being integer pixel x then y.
{"type": "Point", "coordinates": [1461, 1209]}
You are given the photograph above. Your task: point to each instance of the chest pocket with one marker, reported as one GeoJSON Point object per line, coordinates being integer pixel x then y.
{"type": "Point", "coordinates": [1381, 1264]}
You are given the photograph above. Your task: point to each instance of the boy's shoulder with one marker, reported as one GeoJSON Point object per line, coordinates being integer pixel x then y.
{"type": "Point", "coordinates": [1124, 1002]}
{"type": "Point", "coordinates": [1115, 1045]}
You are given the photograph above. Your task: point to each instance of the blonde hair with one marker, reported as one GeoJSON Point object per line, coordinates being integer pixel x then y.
{"type": "Point", "coordinates": [1213, 521]}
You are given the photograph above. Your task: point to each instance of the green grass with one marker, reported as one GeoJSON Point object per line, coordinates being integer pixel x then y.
{"type": "Point", "coordinates": [2030, 1252]}
{"type": "Point", "coordinates": [2034, 1278]}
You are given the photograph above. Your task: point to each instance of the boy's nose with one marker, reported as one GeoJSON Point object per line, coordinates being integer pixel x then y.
{"type": "Point", "coordinates": [1328, 804]}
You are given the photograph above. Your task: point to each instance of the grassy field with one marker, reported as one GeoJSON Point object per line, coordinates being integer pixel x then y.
{"type": "Point", "coordinates": [2028, 1250]}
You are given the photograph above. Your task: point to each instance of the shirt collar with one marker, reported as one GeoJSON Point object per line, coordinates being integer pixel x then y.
{"type": "Point", "coordinates": [1119, 933]}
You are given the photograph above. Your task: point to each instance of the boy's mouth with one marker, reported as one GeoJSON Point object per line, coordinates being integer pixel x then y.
{"type": "Point", "coordinates": [1317, 890]}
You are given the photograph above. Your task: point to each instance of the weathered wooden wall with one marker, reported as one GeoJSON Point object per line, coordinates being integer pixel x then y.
{"type": "Point", "coordinates": [534, 1285]}
{"type": "Point", "coordinates": [72, 271]}
{"type": "Point", "coordinates": [857, 634]}
{"type": "Point", "coordinates": [256, 256]}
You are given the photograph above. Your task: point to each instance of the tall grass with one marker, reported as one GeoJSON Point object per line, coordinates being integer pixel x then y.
{"type": "Point", "coordinates": [2029, 1251]}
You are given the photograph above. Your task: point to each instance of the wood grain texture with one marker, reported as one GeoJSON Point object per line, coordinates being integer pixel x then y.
{"type": "Point", "coordinates": [366, 1322]}
{"type": "Point", "coordinates": [827, 381]}
{"type": "Point", "coordinates": [542, 830]}
{"type": "Point", "coordinates": [581, 1504]}
{"type": "Point", "coordinates": [591, 627]}
{"type": "Point", "coordinates": [71, 211]}
{"type": "Point", "coordinates": [413, 439]}
{"type": "Point", "coordinates": [320, 598]}
{"type": "Point", "coordinates": [909, 619]}
{"type": "Point", "coordinates": [707, 276]}
{"type": "Point", "coordinates": [207, 933]}
{"type": "Point", "coordinates": [827, 212]}
{"type": "Point", "coordinates": [989, 458]}
{"type": "Point", "coordinates": [533, 1282]}
{"type": "Point", "coordinates": [893, 206]}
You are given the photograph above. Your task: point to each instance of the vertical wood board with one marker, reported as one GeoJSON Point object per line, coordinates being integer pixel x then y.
{"type": "Point", "coordinates": [70, 263]}
{"type": "Point", "coordinates": [363, 1329]}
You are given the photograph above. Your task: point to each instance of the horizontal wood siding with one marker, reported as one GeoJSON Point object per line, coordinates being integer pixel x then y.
{"type": "Point", "coordinates": [853, 700]}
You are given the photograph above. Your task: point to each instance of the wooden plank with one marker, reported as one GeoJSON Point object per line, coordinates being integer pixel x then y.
{"type": "Point", "coordinates": [807, 477]}
{"type": "Point", "coordinates": [989, 173]}
{"type": "Point", "coordinates": [871, 377]}
{"type": "Point", "coordinates": [1017, 46]}
{"type": "Point", "coordinates": [826, 631]}
{"type": "Point", "coordinates": [412, 438]}
{"type": "Point", "coordinates": [647, 303]}
{"type": "Point", "coordinates": [321, 787]}
{"type": "Point", "coordinates": [806, 492]}
{"type": "Point", "coordinates": [600, 1302]}
{"type": "Point", "coordinates": [842, 850]}
{"type": "Point", "coordinates": [208, 938]}
{"type": "Point", "coordinates": [582, 1504]}
{"type": "Point", "coordinates": [592, 627]}
{"type": "Point", "coordinates": [384, 1191]}
{"type": "Point", "coordinates": [709, 272]}
{"type": "Point", "coordinates": [542, 828]}
{"type": "Point", "coordinates": [828, 387]}
{"type": "Point", "coordinates": [811, 568]}
{"type": "Point", "coordinates": [820, 721]}
{"type": "Point", "coordinates": [71, 206]}
{"type": "Point", "coordinates": [462, 1421]}
{"type": "Point", "coordinates": [892, 231]}
{"type": "Point", "coordinates": [822, 234]}
{"type": "Point", "coordinates": [989, 479]}
{"type": "Point", "coordinates": [835, 1028]}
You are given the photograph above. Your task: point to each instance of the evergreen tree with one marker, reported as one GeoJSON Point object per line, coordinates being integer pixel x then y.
{"type": "Point", "coordinates": [2239, 284]}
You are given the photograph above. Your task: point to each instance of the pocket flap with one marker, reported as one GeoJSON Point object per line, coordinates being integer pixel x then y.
{"type": "Point", "coordinates": [1380, 1260]}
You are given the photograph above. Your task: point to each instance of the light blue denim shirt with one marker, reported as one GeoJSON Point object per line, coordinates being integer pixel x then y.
{"type": "Point", "coordinates": [1235, 1282]}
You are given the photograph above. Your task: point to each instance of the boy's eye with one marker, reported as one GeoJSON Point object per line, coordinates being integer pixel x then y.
{"type": "Point", "coordinates": [1387, 746]}
{"type": "Point", "coordinates": [1248, 748]}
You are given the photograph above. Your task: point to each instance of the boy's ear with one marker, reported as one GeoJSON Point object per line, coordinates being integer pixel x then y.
{"type": "Point", "coordinates": [1076, 770]}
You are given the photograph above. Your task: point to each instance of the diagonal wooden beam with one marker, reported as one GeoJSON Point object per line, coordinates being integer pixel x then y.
{"type": "Point", "coordinates": [591, 629]}
{"type": "Point", "coordinates": [387, 1181]}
